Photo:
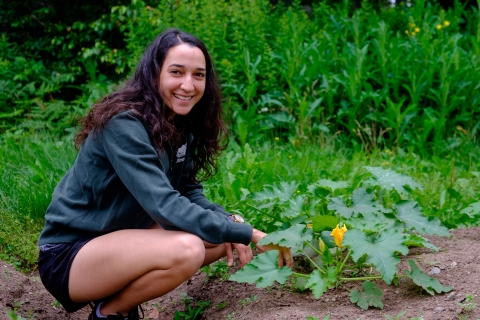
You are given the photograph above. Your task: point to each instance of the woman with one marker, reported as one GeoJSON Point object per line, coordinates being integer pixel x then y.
{"type": "Point", "coordinates": [129, 221]}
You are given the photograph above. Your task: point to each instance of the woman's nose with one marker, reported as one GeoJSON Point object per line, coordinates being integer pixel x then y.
{"type": "Point", "coordinates": [187, 83]}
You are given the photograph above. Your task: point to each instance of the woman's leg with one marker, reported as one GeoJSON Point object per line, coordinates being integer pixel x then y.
{"type": "Point", "coordinates": [135, 266]}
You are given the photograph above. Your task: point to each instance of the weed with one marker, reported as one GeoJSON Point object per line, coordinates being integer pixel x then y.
{"type": "Point", "coordinates": [191, 311]}
{"type": "Point", "coordinates": [217, 270]}
{"type": "Point", "coordinates": [221, 305]}
{"type": "Point", "coordinates": [248, 300]}
{"type": "Point", "coordinates": [468, 304]}
{"type": "Point", "coordinates": [230, 316]}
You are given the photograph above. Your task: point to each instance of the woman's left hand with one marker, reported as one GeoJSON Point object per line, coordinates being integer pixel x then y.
{"type": "Point", "coordinates": [245, 254]}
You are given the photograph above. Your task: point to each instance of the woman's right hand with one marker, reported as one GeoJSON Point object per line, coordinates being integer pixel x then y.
{"type": "Point", "coordinates": [285, 256]}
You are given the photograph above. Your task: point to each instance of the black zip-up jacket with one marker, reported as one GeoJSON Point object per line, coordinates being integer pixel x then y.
{"type": "Point", "coordinates": [118, 181]}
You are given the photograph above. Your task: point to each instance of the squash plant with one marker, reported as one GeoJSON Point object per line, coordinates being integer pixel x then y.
{"type": "Point", "coordinates": [359, 239]}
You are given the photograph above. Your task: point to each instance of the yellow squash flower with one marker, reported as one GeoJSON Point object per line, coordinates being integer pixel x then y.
{"type": "Point", "coordinates": [337, 235]}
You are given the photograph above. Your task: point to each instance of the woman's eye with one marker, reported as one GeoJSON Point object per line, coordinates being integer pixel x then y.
{"type": "Point", "coordinates": [200, 75]}
{"type": "Point", "coordinates": [175, 71]}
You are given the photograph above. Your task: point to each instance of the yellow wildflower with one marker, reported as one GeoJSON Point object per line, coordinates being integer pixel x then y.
{"type": "Point", "coordinates": [406, 31]}
{"type": "Point", "coordinates": [413, 33]}
{"type": "Point", "coordinates": [277, 138]}
{"type": "Point", "coordinates": [439, 26]}
{"type": "Point", "coordinates": [290, 157]}
{"type": "Point", "coordinates": [337, 235]}
{"type": "Point", "coordinates": [446, 23]}
{"type": "Point", "coordinates": [412, 25]}
{"type": "Point", "coordinates": [298, 191]}
{"type": "Point", "coordinates": [417, 30]}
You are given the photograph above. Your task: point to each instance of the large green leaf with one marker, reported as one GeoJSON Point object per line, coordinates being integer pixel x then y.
{"type": "Point", "coordinates": [411, 214]}
{"type": "Point", "coordinates": [294, 236]}
{"type": "Point", "coordinates": [373, 221]}
{"type": "Point", "coordinates": [473, 210]}
{"type": "Point", "coordinates": [414, 240]}
{"type": "Point", "coordinates": [294, 207]}
{"type": "Point", "coordinates": [370, 295]}
{"type": "Point", "coordinates": [380, 250]}
{"type": "Point", "coordinates": [321, 223]}
{"type": "Point", "coordinates": [330, 184]}
{"type": "Point", "coordinates": [429, 284]}
{"type": "Point", "coordinates": [389, 179]}
{"type": "Point", "coordinates": [319, 284]}
{"type": "Point", "coordinates": [281, 192]}
{"type": "Point", "coordinates": [264, 270]}
{"type": "Point", "coordinates": [362, 202]}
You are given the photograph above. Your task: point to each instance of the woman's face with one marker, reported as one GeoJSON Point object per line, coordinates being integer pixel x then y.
{"type": "Point", "coordinates": [182, 78]}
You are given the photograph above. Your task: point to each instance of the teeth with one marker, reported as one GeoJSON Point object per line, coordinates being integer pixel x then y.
{"type": "Point", "coordinates": [182, 97]}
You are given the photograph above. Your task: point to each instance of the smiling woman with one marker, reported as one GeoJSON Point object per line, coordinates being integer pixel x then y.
{"type": "Point", "coordinates": [129, 222]}
{"type": "Point", "coordinates": [182, 78]}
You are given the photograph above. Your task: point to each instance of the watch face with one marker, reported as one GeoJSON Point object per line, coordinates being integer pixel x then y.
{"type": "Point", "coordinates": [238, 218]}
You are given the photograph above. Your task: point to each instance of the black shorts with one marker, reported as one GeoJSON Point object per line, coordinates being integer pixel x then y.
{"type": "Point", "coordinates": [54, 263]}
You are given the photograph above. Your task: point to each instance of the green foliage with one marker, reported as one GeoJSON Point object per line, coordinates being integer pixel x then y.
{"type": "Point", "coordinates": [192, 310]}
{"type": "Point", "coordinates": [370, 296]}
{"type": "Point", "coordinates": [428, 284]}
{"type": "Point", "coordinates": [403, 77]}
{"type": "Point", "coordinates": [380, 250]}
{"type": "Point", "coordinates": [263, 270]}
{"type": "Point", "coordinates": [382, 224]}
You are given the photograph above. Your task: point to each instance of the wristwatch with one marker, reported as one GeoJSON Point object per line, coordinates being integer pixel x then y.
{"type": "Point", "coordinates": [236, 218]}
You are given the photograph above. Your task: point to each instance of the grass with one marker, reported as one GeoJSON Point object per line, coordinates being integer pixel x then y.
{"type": "Point", "coordinates": [31, 166]}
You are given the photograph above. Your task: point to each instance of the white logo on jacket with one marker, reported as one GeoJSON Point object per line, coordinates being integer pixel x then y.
{"type": "Point", "coordinates": [181, 152]}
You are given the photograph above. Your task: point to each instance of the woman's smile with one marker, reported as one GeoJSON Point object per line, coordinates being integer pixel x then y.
{"type": "Point", "coordinates": [182, 78]}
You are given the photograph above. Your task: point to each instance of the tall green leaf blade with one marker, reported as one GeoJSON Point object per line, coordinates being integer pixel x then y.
{"type": "Point", "coordinates": [292, 237]}
{"type": "Point", "coordinates": [411, 214]}
{"type": "Point", "coordinates": [429, 284]}
{"type": "Point", "coordinates": [362, 202]}
{"type": "Point", "coordinates": [264, 270]}
{"type": "Point", "coordinates": [380, 250]}
{"type": "Point", "coordinates": [370, 295]}
{"type": "Point", "coordinates": [389, 179]}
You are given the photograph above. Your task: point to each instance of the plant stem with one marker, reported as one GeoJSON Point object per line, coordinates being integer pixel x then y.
{"type": "Point", "coordinates": [300, 275]}
{"type": "Point", "coordinates": [316, 266]}
{"type": "Point", "coordinates": [314, 249]}
{"type": "Point", "coordinates": [368, 278]}
{"type": "Point", "coordinates": [339, 269]}
{"type": "Point", "coordinates": [360, 278]}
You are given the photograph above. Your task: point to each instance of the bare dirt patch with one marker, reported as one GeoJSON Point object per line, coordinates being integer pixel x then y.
{"type": "Point", "coordinates": [458, 263]}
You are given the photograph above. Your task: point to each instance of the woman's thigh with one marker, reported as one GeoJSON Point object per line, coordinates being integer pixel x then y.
{"type": "Point", "coordinates": [108, 263]}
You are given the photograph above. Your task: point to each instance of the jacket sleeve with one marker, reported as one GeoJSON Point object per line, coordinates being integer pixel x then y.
{"type": "Point", "coordinates": [129, 150]}
{"type": "Point", "coordinates": [194, 191]}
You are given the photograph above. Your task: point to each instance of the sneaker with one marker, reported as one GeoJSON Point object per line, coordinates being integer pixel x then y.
{"type": "Point", "coordinates": [132, 315]}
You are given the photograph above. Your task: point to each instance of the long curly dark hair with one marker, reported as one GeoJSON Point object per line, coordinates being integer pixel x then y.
{"type": "Point", "coordinates": [142, 97]}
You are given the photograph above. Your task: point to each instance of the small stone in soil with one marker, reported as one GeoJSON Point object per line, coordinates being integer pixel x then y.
{"type": "Point", "coordinates": [451, 296]}
{"type": "Point", "coordinates": [435, 270]}
{"type": "Point", "coordinates": [438, 309]}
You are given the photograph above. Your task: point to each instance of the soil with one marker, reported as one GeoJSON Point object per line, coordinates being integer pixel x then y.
{"type": "Point", "coordinates": [456, 262]}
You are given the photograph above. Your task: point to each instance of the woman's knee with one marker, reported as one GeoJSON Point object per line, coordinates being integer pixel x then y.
{"type": "Point", "coordinates": [190, 253]}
